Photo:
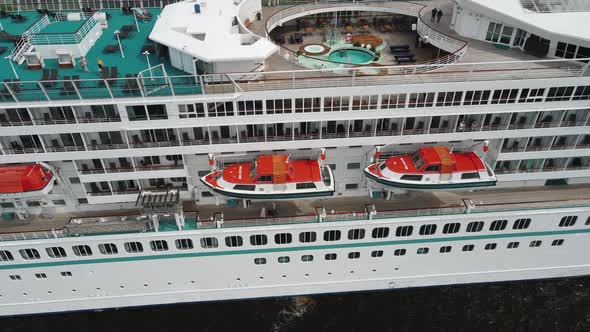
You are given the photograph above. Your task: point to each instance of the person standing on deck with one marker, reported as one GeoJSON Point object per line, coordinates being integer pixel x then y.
{"type": "Point", "coordinates": [438, 16]}
{"type": "Point", "coordinates": [100, 66]}
{"type": "Point", "coordinates": [84, 64]}
{"type": "Point", "coordinates": [434, 12]}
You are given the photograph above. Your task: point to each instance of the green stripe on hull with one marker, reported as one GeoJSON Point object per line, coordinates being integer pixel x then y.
{"type": "Point", "coordinates": [428, 186]}
{"type": "Point", "coordinates": [294, 249]}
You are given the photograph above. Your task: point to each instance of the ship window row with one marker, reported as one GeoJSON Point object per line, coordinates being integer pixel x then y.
{"type": "Point", "coordinates": [387, 101]}
{"type": "Point", "coordinates": [541, 165]}
{"type": "Point", "coordinates": [547, 143]}
{"type": "Point", "coordinates": [289, 131]}
{"type": "Point", "coordinates": [283, 238]}
{"type": "Point", "coordinates": [108, 113]}
{"type": "Point", "coordinates": [403, 251]}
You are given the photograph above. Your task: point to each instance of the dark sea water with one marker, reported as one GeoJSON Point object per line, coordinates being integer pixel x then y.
{"type": "Point", "coordinates": [553, 305]}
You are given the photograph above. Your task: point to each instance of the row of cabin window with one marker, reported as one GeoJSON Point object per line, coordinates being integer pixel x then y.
{"type": "Point", "coordinates": [388, 101]}
{"type": "Point", "coordinates": [281, 238]}
{"type": "Point", "coordinates": [104, 248]}
{"type": "Point", "coordinates": [402, 252]}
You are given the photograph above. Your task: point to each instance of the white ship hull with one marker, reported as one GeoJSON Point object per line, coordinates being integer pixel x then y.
{"type": "Point", "coordinates": [178, 276]}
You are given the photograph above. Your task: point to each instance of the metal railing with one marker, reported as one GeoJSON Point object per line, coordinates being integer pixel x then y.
{"type": "Point", "coordinates": [115, 88]}
{"type": "Point", "coordinates": [32, 235]}
{"type": "Point", "coordinates": [77, 37]}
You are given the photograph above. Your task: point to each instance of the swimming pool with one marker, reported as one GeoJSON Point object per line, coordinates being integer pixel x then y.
{"type": "Point", "coordinates": [352, 55]}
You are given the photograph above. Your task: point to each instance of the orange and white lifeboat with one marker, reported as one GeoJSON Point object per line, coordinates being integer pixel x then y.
{"type": "Point", "coordinates": [432, 168]}
{"type": "Point", "coordinates": [272, 177]}
{"type": "Point", "coordinates": [25, 180]}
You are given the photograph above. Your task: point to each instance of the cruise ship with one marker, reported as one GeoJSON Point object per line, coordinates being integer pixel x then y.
{"type": "Point", "coordinates": [163, 152]}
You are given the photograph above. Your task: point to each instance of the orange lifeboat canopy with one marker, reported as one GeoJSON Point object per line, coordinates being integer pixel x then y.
{"type": "Point", "coordinates": [23, 178]}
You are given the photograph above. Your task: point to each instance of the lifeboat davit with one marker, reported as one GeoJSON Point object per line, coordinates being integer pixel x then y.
{"type": "Point", "coordinates": [273, 177]}
{"type": "Point", "coordinates": [432, 168]}
{"type": "Point", "coordinates": [25, 180]}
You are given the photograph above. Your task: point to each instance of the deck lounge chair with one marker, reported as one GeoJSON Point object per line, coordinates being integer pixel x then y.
{"type": "Point", "coordinates": [149, 48]}
{"type": "Point", "coordinates": [110, 49]}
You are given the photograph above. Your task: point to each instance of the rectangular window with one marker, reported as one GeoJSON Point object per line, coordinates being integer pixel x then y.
{"type": "Point", "coordinates": [259, 260]}
{"type": "Point", "coordinates": [523, 223]}
{"type": "Point", "coordinates": [404, 231]}
{"type": "Point", "coordinates": [108, 249]}
{"type": "Point", "coordinates": [377, 253]}
{"type": "Point", "coordinates": [361, 103]}
{"type": "Point", "coordinates": [422, 251]}
{"type": "Point", "coordinates": [399, 252]}
{"type": "Point", "coordinates": [531, 95]}
{"type": "Point", "coordinates": [283, 238]}
{"type": "Point", "coordinates": [6, 256]}
{"type": "Point", "coordinates": [428, 229]}
{"type": "Point", "coordinates": [568, 221]}
{"type": "Point", "coordinates": [258, 240]}
{"type": "Point", "coordinates": [351, 186]}
{"type": "Point", "coordinates": [557, 242]}
{"type": "Point", "coordinates": [33, 203]}
{"type": "Point", "coordinates": [393, 101]}
{"type": "Point", "coordinates": [380, 232]}
{"type": "Point", "coordinates": [451, 228]}
{"type": "Point", "coordinates": [353, 165]}
{"type": "Point", "coordinates": [209, 242]}
{"type": "Point", "coordinates": [133, 247]}
{"type": "Point", "coordinates": [535, 244]}
{"type": "Point", "coordinates": [284, 259]}
{"type": "Point", "coordinates": [468, 247]}
{"type": "Point", "coordinates": [333, 235]}
{"type": "Point", "coordinates": [513, 245]}
{"type": "Point", "coordinates": [480, 97]}
{"type": "Point", "coordinates": [421, 100]}
{"type": "Point", "coordinates": [58, 202]}
{"type": "Point", "coordinates": [15, 277]}
{"type": "Point", "coordinates": [74, 180]}
{"type": "Point", "coordinates": [307, 237]}
{"type": "Point", "coordinates": [560, 93]}
{"type": "Point", "coordinates": [82, 250]}
{"type": "Point", "coordinates": [474, 226]}
{"type": "Point", "coordinates": [356, 234]}
{"type": "Point", "coordinates": [56, 252]}
{"type": "Point", "coordinates": [307, 258]}
{"type": "Point", "coordinates": [66, 274]}
{"type": "Point", "coordinates": [449, 98]}
{"type": "Point", "coordinates": [40, 275]}
{"type": "Point", "coordinates": [234, 241]}
{"type": "Point", "coordinates": [250, 107]}
{"type": "Point", "coordinates": [354, 255]}
{"type": "Point", "coordinates": [159, 245]}
{"type": "Point", "coordinates": [29, 254]}
{"type": "Point", "coordinates": [184, 244]}
{"type": "Point", "coordinates": [445, 249]}
{"type": "Point", "coordinates": [336, 104]}
{"type": "Point", "coordinates": [506, 96]}
{"type": "Point", "coordinates": [490, 246]}
{"type": "Point", "coordinates": [582, 93]}
{"type": "Point", "coordinates": [330, 257]}
{"type": "Point", "coordinates": [498, 225]}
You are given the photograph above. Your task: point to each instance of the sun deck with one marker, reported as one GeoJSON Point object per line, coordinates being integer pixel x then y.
{"type": "Point", "coordinates": [133, 45]}
{"type": "Point", "coordinates": [473, 60]}
{"type": "Point", "coordinates": [302, 211]}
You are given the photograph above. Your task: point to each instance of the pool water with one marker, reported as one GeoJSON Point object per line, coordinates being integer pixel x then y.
{"type": "Point", "coordinates": [353, 56]}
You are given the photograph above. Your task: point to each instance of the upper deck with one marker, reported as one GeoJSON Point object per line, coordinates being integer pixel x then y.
{"type": "Point", "coordinates": [306, 211]}
{"type": "Point", "coordinates": [132, 74]}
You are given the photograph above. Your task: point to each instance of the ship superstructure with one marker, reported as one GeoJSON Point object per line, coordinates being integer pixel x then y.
{"type": "Point", "coordinates": [110, 116]}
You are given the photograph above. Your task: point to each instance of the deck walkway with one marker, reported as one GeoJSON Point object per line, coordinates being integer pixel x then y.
{"type": "Point", "coordinates": [400, 205]}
